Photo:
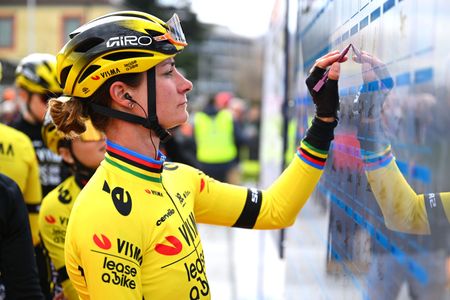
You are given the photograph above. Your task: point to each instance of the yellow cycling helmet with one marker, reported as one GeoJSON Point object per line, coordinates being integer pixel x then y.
{"type": "Point", "coordinates": [36, 73]}
{"type": "Point", "coordinates": [117, 43]}
{"type": "Point", "coordinates": [53, 138]}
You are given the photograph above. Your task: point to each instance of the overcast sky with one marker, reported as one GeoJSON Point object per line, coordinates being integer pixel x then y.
{"type": "Point", "coordinates": [249, 18]}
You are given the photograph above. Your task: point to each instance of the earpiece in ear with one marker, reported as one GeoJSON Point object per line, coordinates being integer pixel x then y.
{"type": "Point", "coordinates": [128, 97]}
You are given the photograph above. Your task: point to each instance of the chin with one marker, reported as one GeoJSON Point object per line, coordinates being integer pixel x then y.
{"type": "Point", "coordinates": [177, 122]}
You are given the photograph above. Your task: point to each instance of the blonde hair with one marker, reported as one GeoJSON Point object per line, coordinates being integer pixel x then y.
{"type": "Point", "coordinates": [68, 114]}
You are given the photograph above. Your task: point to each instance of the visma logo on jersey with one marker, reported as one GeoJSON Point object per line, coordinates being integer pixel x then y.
{"type": "Point", "coordinates": [116, 270]}
{"type": "Point", "coordinates": [129, 40]}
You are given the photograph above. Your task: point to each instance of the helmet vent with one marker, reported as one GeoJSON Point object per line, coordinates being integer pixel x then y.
{"type": "Point", "coordinates": [64, 74]}
{"type": "Point", "coordinates": [43, 82]}
{"type": "Point", "coordinates": [45, 63]}
{"type": "Point", "coordinates": [89, 71]}
{"type": "Point", "coordinates": [152, 32]}
{"type": "Point", "coordinates": [126, 55]}
{"type": "Point", "coordinates": [88, 44]}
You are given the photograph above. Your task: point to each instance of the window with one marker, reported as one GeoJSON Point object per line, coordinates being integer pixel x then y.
{"type": "Point", "coordinates": [6, 30]}
{"type": "Point", "coordinates": [69, 25]}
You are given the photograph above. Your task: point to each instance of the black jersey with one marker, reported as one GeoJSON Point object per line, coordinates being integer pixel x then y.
{"type": "Point", "coordinates": [17, 263]}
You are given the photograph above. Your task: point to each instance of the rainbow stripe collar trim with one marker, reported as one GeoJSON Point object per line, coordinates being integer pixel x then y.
{"type": "Point", "coordinates": [134, 163]}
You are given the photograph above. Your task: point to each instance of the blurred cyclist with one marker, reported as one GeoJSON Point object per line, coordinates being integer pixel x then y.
{"type": "Point", "coordinates": [83, 155]}
{"type": "Point", "coordinates": [36, 82]}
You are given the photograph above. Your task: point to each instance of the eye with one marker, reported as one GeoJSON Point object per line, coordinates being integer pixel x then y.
{"type": "Point", "coordinates": [169, 72]}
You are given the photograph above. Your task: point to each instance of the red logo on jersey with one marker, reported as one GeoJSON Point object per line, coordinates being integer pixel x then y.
{"type": "Point", "coordinates": [173, 249]}
{"type": "Point", "coordinates": [102, 242]}
{"type": "Point", "coordinates": [202, 184]}
{"type": "Point", "coordinates": [50, 219]}
{"type": "Point", "coordinates": [95, 77]}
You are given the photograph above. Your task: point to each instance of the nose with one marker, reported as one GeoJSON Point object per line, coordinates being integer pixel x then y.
{"type": "Point", "coordinates": [185, 84]}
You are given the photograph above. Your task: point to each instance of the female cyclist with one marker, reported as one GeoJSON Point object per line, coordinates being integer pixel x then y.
{"type": "Point", "coordinates": [132, 233]}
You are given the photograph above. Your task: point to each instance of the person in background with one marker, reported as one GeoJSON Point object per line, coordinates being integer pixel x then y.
{"type": "Point", "coordinates": [132, 233]}
{"type": "Point", "coordinates": [249, 152]}
{"type": "Point", "coordinates": [83, 155]}
{"type": "Point", "coordinates": [18, 271]}
{"type": "Point", "coordinates": [36, 81]}
{"type": "Point", "coordinates": [218, 138]}
{"type": "Point", "coordinates": [19, 163]}
{"type": "Point", "coordinates": [9, 109]}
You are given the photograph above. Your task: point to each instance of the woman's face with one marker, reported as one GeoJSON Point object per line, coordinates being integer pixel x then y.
{"type": "Point", "coordinates": [89, 153]}
{"type": "Point", "coordinates": [171, 90]}
{"type": "Point", "coordinates": [36, 104]}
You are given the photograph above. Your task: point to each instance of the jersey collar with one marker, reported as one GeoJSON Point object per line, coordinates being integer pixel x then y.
{"type": "Point", "coordinates": [134, 163]}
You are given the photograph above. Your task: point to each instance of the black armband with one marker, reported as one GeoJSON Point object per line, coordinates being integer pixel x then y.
{"type": "Point", "coordinates": [437, 218]}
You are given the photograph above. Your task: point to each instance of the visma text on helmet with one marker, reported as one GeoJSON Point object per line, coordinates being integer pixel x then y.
{"type": "Point", "coordinates": [129, 40]}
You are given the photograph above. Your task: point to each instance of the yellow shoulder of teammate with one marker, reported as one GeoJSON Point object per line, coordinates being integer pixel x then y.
{"type": "Point", "coordinates": [18, 161]}
{"type": "Point", "coordinates": [53, 220]}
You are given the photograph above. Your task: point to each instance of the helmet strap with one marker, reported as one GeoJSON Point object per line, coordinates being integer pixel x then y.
{"type": "Point", "coordinates": [117, 114]}
{"type": "Point", "coordinates": [163, 134]}
{"type": "Point", "coordinates": [151, 120]}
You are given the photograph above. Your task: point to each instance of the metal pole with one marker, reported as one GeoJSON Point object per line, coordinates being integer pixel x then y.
{"type": "Point", "coordinates": [285, 107]}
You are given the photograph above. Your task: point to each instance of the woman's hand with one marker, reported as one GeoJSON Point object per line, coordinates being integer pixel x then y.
{"type": "Point", "coordinates": [374, 72]}
{"type": "Point", "coordinates": [326, 98]}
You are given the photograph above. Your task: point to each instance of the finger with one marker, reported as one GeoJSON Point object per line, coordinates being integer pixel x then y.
{"type": "Point", "coordinates": [356, 58]}
{"type": "Point", "coordinates": [327, 61]}
{"type": "Point", "coordinates": [344, 59]}
{"type": "Point", "coordinates": [319, 61]}
{"type": "Point", "coordinates": [328, 54]}
{"type": "Point", "coordinates": [364, 57]}
{"type": "Point", "coordinates": [334, 71]}
{"type": "Point", "coordinates": [367, 58]}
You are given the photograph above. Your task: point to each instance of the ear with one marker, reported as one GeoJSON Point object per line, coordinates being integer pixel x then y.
{"type": "Point", "coordinates": [66, 155]}
{"type": "Point", "coordinates": [117, 92]}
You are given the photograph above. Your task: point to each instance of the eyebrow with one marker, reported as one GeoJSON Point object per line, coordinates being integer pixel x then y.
{"type": "Point", "coordinates": [169, 62]}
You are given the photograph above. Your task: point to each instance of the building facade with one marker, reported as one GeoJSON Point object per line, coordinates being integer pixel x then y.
{"type": "Point", "coordinates": [41, 26]}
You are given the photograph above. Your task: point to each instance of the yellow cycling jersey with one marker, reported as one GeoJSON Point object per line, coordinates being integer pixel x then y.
{"type": "Point", "coordinates": [402, 208]}
{"type": "Point", "coordinates": [19, 162]}
{"type": "Point", "coordinates": [53, 220]}
{"type": "Point", "coordinates": [133, 231]}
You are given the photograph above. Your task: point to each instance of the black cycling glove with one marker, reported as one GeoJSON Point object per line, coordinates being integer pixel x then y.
{"type": "Point", "coordinates": [327, 99]}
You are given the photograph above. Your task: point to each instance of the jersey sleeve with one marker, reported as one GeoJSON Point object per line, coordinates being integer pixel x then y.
{"type": "Point", "coordinates": [277, 207]}
{"type": "Point", "coordinates": [52, 228]}
{"type": "Point", "coordinates": [403, 209]}
{"type": "Point", "coordinates": [32, 192]}
{"type": "Point", "coordinates": [48, 227]}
